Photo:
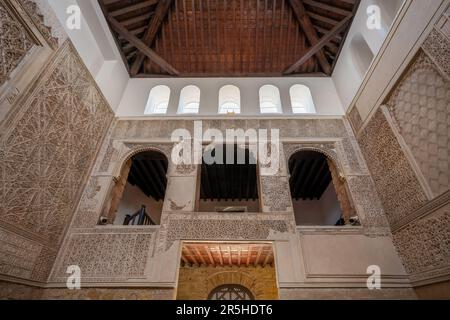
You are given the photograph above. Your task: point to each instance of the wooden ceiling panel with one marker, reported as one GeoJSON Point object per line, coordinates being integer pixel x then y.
{"type": "Point", "coordinates": [208, 38]}
{"type": "Point", "coordinates": [227, 254]}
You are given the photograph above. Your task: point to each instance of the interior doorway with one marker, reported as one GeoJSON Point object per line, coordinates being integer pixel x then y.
{"type": "Point", "coordinates": [227, 271]}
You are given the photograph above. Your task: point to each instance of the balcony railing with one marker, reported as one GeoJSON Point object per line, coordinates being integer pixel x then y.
{"type": "Point", "coordinates": [140, 218]}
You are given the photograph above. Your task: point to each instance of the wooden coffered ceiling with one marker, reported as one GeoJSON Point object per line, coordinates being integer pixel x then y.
{"type": "Point", "coordinates": [227, 254]}
{"type": "Point", "coordinates": [207, 38]}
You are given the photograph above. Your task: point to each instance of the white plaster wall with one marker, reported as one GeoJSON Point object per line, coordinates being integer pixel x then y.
{"type": "Point", "coordinates": [333, 257]}
{"type": "Point", "coordinates": [51, 20]}
{"type": "Point", "coordinates": [346, 75]}
{"type": "Point", "coordinates": [323, 212]}
{"type": "Point", "coordinates": [96, 46]}
{"type": "Point", "coordinates": [132, 200]}
{"type": "Point", "coordinates": [414, 23]}
{"type": "Point", "coordinates": [349, 255]}
{"type": "Point", "coordinates": [136, 94]}
{"type": "Point", "coordinates": [393, 50]}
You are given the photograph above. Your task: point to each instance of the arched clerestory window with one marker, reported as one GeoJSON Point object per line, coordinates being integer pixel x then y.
{"type": "Point", "coordinates": [158, 100]}
{"type": "Point", "coordinates": [269, 99]}
{"type": "Point", "coordinates": [229, 100]}
{"type": "Point", "coordinates": [301, 99]}
{"type": "Point", "coordinates": [189, 100]}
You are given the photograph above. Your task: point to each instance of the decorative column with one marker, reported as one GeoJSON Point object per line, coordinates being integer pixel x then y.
{"type": "Point", "coordinates": [274, 185]}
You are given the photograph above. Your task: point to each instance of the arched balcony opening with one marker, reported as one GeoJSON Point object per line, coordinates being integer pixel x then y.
{"type": "Point", "coordinates": [319, 193]}
{"type": "Point", "coordinates": [138, 194]}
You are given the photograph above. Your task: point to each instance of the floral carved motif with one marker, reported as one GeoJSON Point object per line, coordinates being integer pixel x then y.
{"type": "Point", "coordinates": [15, 43]}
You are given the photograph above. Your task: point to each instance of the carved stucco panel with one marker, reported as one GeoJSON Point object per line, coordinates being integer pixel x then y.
{"type": "Point", "coordinates": [213, 226]}
{"type": "Point", "coordinates": [15, 43]}
{"type": "Point", "coordinates": [18, 254]}
{"type": "Point", "coordinates": [47, 149]}
{"type": "Point", "coordinates": [157, 129]}
{"type": "Point", "coordinates": [326, 148]}
{"type": "Point", "coordinates": [438, 47]}
{"type": "Point", "coordinates": [424, 244]}
{"type": "Point", "coordinates": [91, 203]}
{"type": "Point", "coordinates": [419, 106]}
{"type": "Point", "coordinates": [106, 255]}
{"type": "Point", "coordinates": [275, 194]}
{"type": "Point", "coordinates": [58, 133]}
{"type": "Point", "coordinates": [396, 183]}
{"type": "Point", "coordinates": [355, 119]}
{"type": "Point", "coordinates": [368, 205]}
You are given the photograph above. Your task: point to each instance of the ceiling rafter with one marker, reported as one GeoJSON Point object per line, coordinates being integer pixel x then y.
{"type": "Point", "coordinates": [320, 44]}
{"type": "Point", "coordinates": [308, 27]}
{"type": "Point", "coordinates": [150, 34]}
{"type": "Point", "coordinates": [144, 49]}
{"type": "Point", "coordinates": [214, 38]}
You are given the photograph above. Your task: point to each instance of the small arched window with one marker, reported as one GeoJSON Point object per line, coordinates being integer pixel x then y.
{"type": "Point", "coordinates": [269, 99]}
{"type": "Point", "coordinates": [189, 100]}
{"type": "Point", "coordinates": [361, 53]}
{"type": "Point", "coordinates": [231, 292]}
{"type": "Point", "coordinates": [158, 100]}
{"type": "Point", "coordinates": [229, 100]}
{"type": "Point", "coordinates": [301, 99]}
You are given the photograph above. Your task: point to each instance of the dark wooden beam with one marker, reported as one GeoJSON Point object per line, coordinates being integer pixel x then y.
{"type": "Point", "coordinates": [310, 32]}
{"type": "Point", "coordinates": [149, 36]}
{"type": "Point", "coordinates": [142, 47]}
{"type": "Point", "coordinates": [141, 181]}
{"type": "Point", "coordinates": [149, 179]}
{"type": "Point", "coordinates": [131, 8]}
{"type": "Point", "coordinates": [319, 45]}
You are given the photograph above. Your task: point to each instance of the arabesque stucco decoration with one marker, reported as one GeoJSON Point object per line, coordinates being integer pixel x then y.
{"type": "Point", "coordinates": [47, 150]}
{"type": "Point", "coordinates": [107, 255]}
{"type": "Point", "coordinates": [408, 141]}
{"type": "Point", "coordinates": [15, 42]}
{"type": "Point", "coordinates": [33, 10]}
{"type": "Point", "coordinates": [398, 188]}
{"type": "Point", "coordinates": [420, 107]}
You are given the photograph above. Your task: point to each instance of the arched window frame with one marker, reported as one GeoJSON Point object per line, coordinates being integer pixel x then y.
{"type": "Point", "coordinates": [158, 100]}
{"type": "Point", "coordinates": [189, 100]}
{"type": "Point", "coordinates": [234, 291]}
{"type": "Point", "coordinates": [301, 100]}
{"type": "Point", "coordinates": [229, 100]}
{"type": "Point", "coordinates": [269, 100]}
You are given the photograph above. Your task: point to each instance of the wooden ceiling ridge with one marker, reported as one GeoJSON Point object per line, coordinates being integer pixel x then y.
{"type": "Point", "coordinates": [212, 38]}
